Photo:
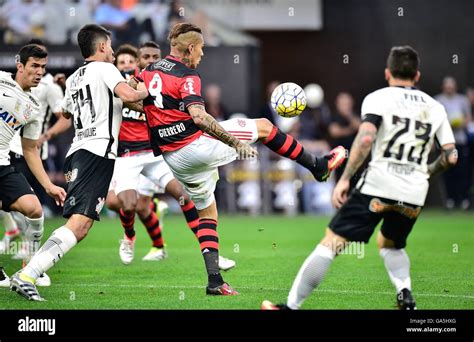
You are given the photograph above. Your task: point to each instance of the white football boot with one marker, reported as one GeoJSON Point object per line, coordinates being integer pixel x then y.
{"type": "Point", "coordinates": [127, 250]}
{"type": "Point", "coordinates": [156, 254]}
{"type": "Point", "coordinates": [44, 280]}
{"type": "Point", "coordinates": [225, 264]}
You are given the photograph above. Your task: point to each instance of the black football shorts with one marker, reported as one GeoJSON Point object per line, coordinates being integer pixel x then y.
{"type": "Point", "coordinates": [357, 219]}
{"type": "Point", "coordinates": [88, 178]}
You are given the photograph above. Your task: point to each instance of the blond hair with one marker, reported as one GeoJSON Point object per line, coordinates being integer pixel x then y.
{"type": "Point", "coordinates": [183, 34]}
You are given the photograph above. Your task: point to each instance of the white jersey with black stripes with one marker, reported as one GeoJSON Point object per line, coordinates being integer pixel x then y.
{"type": "Point", "coordinates": [408, 121]}
{"type": "Point", "coordinates": [97, 111]}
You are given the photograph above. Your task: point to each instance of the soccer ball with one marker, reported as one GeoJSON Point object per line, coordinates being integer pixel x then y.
{"type": "Point", "coordinates": [288, 100]}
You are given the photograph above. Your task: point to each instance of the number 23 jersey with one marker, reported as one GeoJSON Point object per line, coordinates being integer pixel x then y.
{"type": "Point", "coordinates": [408, 121]}
{"type": "Point", "coordinates": [97, 111]}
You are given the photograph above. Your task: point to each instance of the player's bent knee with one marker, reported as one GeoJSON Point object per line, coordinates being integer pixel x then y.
{"type": "Point", "coordinates": [36, 212]}
{"type": "Point", "coordinates": [264, 127]}
{"type": "Point", "coordinates": [29, 206]}
{"type": "Point", "coordinates": [333, 241]}
{"type": "Point", "coordinates": [383, 242]}
{"type": "Point", "coordinates": [128, 201]}
{"type": "Point", "coordinates": [112, 201]}
{"type": "Point", "coordinates": [143, 208]}
{"type": "Point", "coordinates": [79, 225]}
{"type": "Point", "coordinates": [175, 189]}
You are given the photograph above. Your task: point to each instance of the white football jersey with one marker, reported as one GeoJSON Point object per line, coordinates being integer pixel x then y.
{"type": "Point", "coordinates": [19, 112]}
{"type": "Point", "coordinates": [410, 121]}
{"type": "Point", "coordinates": [97, 111]}
{"type": "Point", "coordinates": [50, 96]}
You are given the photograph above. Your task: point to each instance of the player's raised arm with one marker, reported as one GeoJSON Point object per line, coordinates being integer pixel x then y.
{"type": "Point", "coordinates": [209, 125]}
{"type": "Point", "coordinates": [32, 157]}
{"type": "Point", "coordinates": [359, 151]}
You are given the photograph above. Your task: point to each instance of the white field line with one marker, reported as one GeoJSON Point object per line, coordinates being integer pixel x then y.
{"type": "Point", "coordinates": [177, 287]}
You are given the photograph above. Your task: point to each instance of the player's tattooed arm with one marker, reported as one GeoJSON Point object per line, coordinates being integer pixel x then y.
{"type": "Point", "coordinates": [136, 106]}
{"type": "Point", "coordinates": [448, 158]}
{"type": "Point", "coordinates": [209, 125]}
{"type": "Point", "coordinates": [360, 149]}
{"type": "Point", "coordinates": [133, 82]}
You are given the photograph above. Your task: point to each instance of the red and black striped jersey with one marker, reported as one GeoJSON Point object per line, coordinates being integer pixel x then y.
{"type": "Point", "coordinates": [172, 87]}
{"type": "Point", "coordinates": [133, 136]}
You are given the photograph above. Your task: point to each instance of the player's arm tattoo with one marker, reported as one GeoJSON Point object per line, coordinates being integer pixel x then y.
{"type": "Point", "coordinates": [446, 159]}
{"type": "Point", "coordinates": [209, 125]}
{"type": "Point", "coordinates": [360, 149]}
{"type": "Point", "coordinates": [133, 82]}
{"type": "Point", "coordinates": [136, 106]}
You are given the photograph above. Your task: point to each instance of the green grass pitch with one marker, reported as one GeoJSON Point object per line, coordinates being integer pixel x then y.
{"type": "Point", "coordinates": [269, 251]}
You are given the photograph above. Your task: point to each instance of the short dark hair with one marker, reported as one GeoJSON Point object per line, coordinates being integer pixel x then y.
{"type": "Point", "coordinates": [88, 36]}
{"type": "Point", "coordinates": [150, 44]}
{"type": "Point", "coordinates": [36, 41]}
{"type": "Point", "coordinates": [403, 62]}
{"type": "Point", "coordinates": [30, 50]}
{"type": "Point", "coordinates": [126, 49]}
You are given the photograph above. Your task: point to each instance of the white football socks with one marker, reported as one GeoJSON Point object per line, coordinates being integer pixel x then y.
{"type": "Point", "coordinates": [397, 264]}
{"type": "Point", "coordinates": [310, 275]}
{"type": "Point", "coordinates": [20, 220]}
{"type": "Point", "coordinates": [34, 233]}
{"type": "Point", "coordinates": [58, 244]}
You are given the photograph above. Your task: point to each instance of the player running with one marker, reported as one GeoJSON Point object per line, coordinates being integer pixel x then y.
{"type": "Point", "coordinates": [194, 144]}
{"type": "Point", "coordinates": [50, 96]}
{"type": "Point", "coordinates": [20, 112]}
{"type": "Point", "coordinates": [400, 124]}
{"type": "Point", "coordinates": [94, 96]}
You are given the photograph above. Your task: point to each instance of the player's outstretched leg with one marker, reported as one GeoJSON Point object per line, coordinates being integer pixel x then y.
{"type": "Point", "coordinates": [311, 273]}
{"type": "Point", "coordinates": [151, 221]}
{"type": "Point", "coordinates": [397, 264]}
{"type": "Point", "coordinates": [287, 146]}
{"type": "Point", "coordinates": [58, 244]}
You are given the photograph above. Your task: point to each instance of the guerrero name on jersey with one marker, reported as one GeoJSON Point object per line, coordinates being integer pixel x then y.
{"type": "Point", "coordinates": [172, 87]}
